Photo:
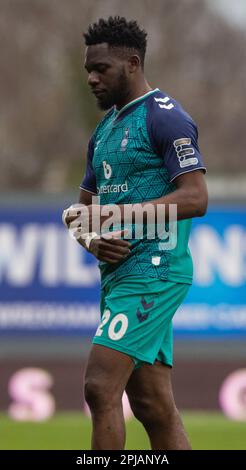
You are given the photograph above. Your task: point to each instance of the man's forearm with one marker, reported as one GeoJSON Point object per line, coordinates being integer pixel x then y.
{"type": "Point", "coordinates": [187, 201]}
{"type": "Point", "coordinates": [189, 204]}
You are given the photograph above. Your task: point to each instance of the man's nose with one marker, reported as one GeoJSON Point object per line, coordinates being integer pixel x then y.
{"type": "Point", "coordinates": [93, 79]}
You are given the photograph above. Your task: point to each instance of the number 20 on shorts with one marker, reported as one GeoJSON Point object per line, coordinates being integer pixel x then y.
{"type": "Point", "coordinates": [113, 332]}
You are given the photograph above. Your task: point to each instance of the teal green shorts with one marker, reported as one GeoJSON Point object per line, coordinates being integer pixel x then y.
{"type": "Point", "coordinates": [136, 318]}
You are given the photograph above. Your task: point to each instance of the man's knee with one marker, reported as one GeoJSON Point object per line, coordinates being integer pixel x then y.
{"type": "Point", "coordinates": [106, 376]}
{"type": "Point", "coordinates": [153, 411]}
{"type": "Point", "coordinates": [99, 394]}
{"type": "Point", "coordinates": [93, 391]}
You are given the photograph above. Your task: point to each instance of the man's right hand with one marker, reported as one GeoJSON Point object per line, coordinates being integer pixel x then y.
{"type": "Point", "coordinates": [109, 247]}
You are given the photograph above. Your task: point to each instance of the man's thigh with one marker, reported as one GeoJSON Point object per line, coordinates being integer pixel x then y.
{"type": "Point", "coordinates": [109, 369]}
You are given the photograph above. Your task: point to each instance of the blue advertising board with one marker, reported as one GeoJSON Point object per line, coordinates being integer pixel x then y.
{"type": "Point", "coordinates": [48, 283]}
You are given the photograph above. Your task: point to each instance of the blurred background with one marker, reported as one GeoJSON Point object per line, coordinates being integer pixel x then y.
{"type": "Point", "coordinates": [49, 287]}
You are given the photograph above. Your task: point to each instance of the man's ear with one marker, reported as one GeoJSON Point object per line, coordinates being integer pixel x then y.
{"type": "Point", "coordinates": [133, 63]}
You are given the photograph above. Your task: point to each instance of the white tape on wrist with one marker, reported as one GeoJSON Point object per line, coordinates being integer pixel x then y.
{"type": "Point", "coordinates": [88, 237]}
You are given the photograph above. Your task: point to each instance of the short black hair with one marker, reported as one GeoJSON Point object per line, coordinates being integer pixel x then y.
{"type": "Point", "coordinates": [118, 32]}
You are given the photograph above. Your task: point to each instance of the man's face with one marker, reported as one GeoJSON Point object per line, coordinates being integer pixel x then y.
{"type": "Point", "coordinates": [108, 77]}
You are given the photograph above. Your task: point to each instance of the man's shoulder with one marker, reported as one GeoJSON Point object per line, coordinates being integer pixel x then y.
{"type": "Point", "coordinates": [163, 107]}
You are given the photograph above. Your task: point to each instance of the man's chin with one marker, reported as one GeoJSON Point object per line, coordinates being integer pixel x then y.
{"type": "Point", "coordinates": [103, 104]}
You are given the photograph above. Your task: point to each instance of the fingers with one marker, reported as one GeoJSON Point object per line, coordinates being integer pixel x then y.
{"type": "Point", "coordinates": [71, 213]}
{"type": "Point", "coordinates": [117, 252]}
{"type": "Point", "coordinates": [104, 251]}
{"type": "Point", "coordinates": [113, 238]}
{"type": "Point", "coordinates": [115, 234]}
{"type": "Point", "coordinates": [69, 218]}
{"type": "Point", "coordinates": [123, 249]}
{"type": "Point", "coordinates": [77, 219]}
{"type": "Point", "coordinates": [116, 242]}
{"type": "Point", "coordinates": [111, 258]}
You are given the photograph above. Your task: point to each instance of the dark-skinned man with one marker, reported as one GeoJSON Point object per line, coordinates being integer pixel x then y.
{"type": "Point", "coordinates": [144, 151]}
